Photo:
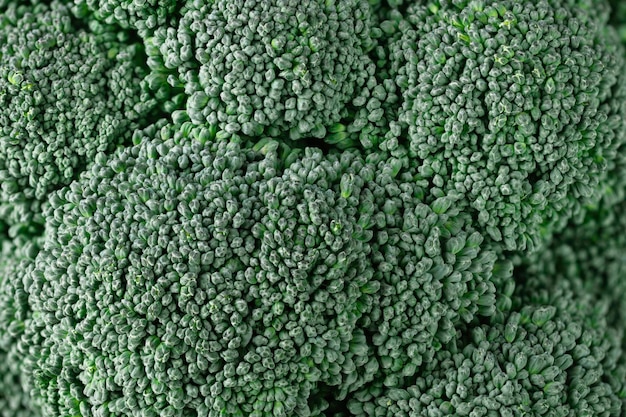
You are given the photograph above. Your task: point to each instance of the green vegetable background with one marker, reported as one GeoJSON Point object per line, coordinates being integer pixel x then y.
{"type": "Point", "coordinates": [312, 208]}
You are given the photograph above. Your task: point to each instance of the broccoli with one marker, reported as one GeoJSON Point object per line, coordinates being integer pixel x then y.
{"type": "Point", "coordinates": [142, 15]}
{"type": "Point", "coordinates": [553, 355]}
{"type": "Point", "coordinates": [199, 276]}
{"type": "Point", "coordinates": [207, 276]}
{"type": "Point", "coordinates": [433, 273]}
{"type": "Point", "coordinates": [314, 208]}
{"type": "Point", "coordinates": [16, 261]}
{"type": "Point", "coordinates": [267, 68]}
{"type": "Point", "coordinates": [590, 257]}
{"type": "Point", "coordinates": [618, 17]}
{"type": "Point", "coordinates": [66, 92]}
{"type": "Point", "coordinates": [517, 105]}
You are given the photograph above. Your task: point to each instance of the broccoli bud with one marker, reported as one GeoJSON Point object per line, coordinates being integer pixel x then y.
{"type": "Point", "coordinates": [16, 262]}
{"type": "Point", "coordinates": [143, 15]}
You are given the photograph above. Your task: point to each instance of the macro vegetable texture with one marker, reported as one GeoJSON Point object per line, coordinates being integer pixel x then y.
{"type": "Point", "coordinates": [337, 208]}
{"type": "Point", "coordinates": [67, 92]}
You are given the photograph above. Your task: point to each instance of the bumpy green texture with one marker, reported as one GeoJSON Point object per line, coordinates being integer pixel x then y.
{"type": "Point", "coordinates": [202, 279]}
{"type": "Point", "coordinates": [432, 274]}
{"type": "Point", "coordinates": [553, 355]}
{"type": "Point", "coordinates": [66, 93]}
{"type": "Point", "coordinates": [16, 260]}
{"type": "Point", "coordinates": [214, 279]}
{"type": "Point", "coordinates": [517, 105]}
{"type": "Point", "coordinates": [347, 208]}
{"type": "Point", "coordinates": [589, 256]}
{"type": "Point", "coordinates": [267, 68]}
{"type": "Point", "coordinates": [142, 15]}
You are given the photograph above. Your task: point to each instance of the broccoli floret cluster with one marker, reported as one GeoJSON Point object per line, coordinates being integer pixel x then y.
{"type": "Point", "coordinates": [16, 261]}
{"type": "Point", "coordinates": [66, 93]}
{"type": "Point", "coordinates": [233, 285]}
{"type": "Point", "coordinates": [433, 273]}
{"type": "Point", "coordinates": [553, 355]}
{"type": "Point", "coordinates": [517, 105]}
{"type": "Point", "coordinates": [268, 68]}
{"type": "Point", "coordinates": [285, 208]}
{"type": "Point", "coordinates": [206, 276]}
{"type": "Point", "coordinates": [590, 257]}
{"type": "Point", "coordinates": [141, 15]}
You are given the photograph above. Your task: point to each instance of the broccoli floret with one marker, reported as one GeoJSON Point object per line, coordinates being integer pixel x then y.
{"type": "Point", "coordinates": [372, 121]}
{"type": "Point", "coordinates": [143, 15]}
{"type": "Point", "coordinates": [553, 355]}
{"type": "Point", "coordinates": [353, 208]}
{"type": "Point", "coordinates": [16, 261]}
{"type": "Point", "coordinates": [210, 277]}
{"type": "Point", "coordinates": [267, 68]}
{"type": "Point", "coordinates": [432, 274]}
{"type": "Point", "coordinates": [590, 257]}
{"type": "Point", "coordinates": [618, 18]}
{"type": "Point", "coordinates": [66, 93]}
{"type": "Point", "coordinates": [201, 277]}
{"type": "Point", "coordinates": [516, 105]}
{"type": "Point", "coordinates": [589, 252]}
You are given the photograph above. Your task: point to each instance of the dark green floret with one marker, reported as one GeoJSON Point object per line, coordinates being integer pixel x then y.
{"type": "Point", "coordinates": [216, 279]}
{"type": "Point", "coordinates": [552, 355]}
{"type": "Point", "coordinates": [143, 15]}
{"type": "Point", "coordinates": [202, 278]}
{"type": "Point", "coordinates": [67, 92]}
{"type": "Point", "coordinates": [16, 261]}
{"type": "Point", "coordinates": [591, 258]}
{"type": "Point", "coordinates": [267, 68]}
{"type": "Point", "coordinates": [432, 274]}
{"type": "Point", "coordinates": [519, 106]}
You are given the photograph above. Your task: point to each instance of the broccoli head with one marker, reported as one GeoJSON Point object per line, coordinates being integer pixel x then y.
{"type": "Point", "coordinates": [267, 68]}
{"type": "Point", "coordinates": [67, 92]}
{"type": "Point", "coordinates": [214, 279]}
{"type": "Point", "coordinates": [342, 214]}
{"type": "Point", "coordinates": [517, 105]}
{"type": "Point", "coordinates": [200, 277]}
{"type": "Point", "coordinates": [618, 17]}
